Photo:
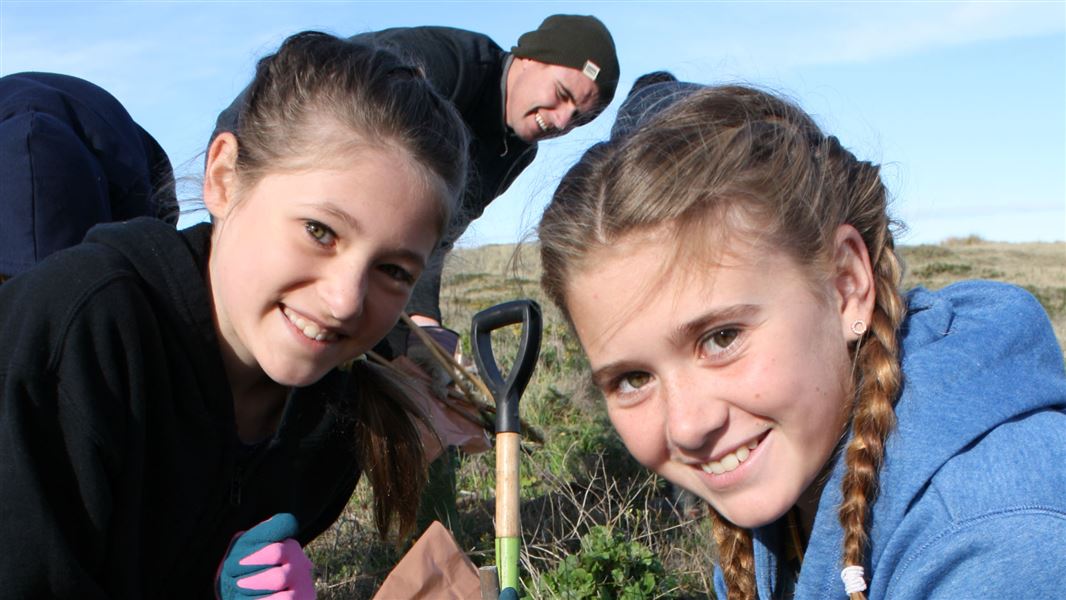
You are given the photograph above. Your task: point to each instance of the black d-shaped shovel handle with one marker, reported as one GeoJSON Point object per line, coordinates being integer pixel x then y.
{"type": "Point", "coordinates": [507, 392]}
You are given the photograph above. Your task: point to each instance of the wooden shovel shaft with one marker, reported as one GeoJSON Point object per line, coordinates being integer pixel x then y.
{"type": "Point", "coordinates": [508, 520]}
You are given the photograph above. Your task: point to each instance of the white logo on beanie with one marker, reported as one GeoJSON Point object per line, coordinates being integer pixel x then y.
{"type": "Point", "coordinates": [591, 70]}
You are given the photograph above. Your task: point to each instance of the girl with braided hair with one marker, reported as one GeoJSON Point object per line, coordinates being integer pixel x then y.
{"type": "Point", "coordinates": [731, 274]}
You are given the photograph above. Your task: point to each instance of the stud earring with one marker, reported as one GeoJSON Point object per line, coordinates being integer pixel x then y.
{"type": "Point", "coordinates": [858, 327]}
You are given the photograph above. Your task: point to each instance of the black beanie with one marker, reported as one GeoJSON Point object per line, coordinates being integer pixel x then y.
{"type": "Point", "coordinates": [576, 41]}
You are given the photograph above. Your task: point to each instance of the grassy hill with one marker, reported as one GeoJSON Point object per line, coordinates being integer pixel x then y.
{"type": "Point", "coordinates": [581, 476]}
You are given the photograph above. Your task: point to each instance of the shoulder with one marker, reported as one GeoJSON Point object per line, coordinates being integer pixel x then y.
{"type": "Point", "coordinates": [432, 47]}
{"type": "Point", "coordinates": [1014, 467]}
{"type": "Point", "coordinates": [979, 331]}
{"type": "Point", "coordinates": [430, 35]}
{"type": "Point", "coordinates": [83, 295]}
{"type": "Point", "coordinates": [992, 519]}
{"type": "Point", "coordinates": [965, 306]}
{"type": "Point", "coordinates": [1011, 548]}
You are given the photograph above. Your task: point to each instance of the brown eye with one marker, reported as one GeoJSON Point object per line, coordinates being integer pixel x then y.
{"type": "Point", "coordinates": [319, 232]}
{"type": "Point", "coordinates": [633, 381]}
{"type": "Point", "coordinates": [398, 273]}
{"type": "Point", "coordinates": [718, 341]}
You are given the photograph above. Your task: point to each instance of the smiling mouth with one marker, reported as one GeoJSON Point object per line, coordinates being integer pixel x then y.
{"type": "Point", "coordinates": [540, 123]}
{"type": "Point", "coordinates": [310, 330]}
{"type": "Point", "coordinates": [731, 461]}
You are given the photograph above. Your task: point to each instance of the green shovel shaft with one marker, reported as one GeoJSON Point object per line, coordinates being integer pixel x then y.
{"type": "Point", "coordinates": [507, 562]}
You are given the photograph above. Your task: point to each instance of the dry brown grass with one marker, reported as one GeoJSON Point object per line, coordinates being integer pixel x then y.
{"type": "Point", "coordinates": [1038, 267]}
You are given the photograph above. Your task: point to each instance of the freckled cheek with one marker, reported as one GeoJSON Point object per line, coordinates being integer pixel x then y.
{"type": "Point", "coordinates": [642, 433]}
{"type": "Point", "coordinates": [764, 388]}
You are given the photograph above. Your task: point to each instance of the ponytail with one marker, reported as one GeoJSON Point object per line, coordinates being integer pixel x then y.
{"type": "Point", "coordinates": [389, 446]}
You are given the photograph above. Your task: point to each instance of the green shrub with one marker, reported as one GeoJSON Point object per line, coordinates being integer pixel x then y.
{"type": "Point", "coordinates": [925, 252]}
{"type": "Point", "coordinates": [943, 268]}
{"type": "Point", "coordinates": [608, 566]}
{"type": "Point", "coordinates": [1051, 298]}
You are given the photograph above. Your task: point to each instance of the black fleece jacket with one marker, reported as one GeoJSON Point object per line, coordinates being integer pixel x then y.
{"type": "Point", "coordinates": [121, 474]}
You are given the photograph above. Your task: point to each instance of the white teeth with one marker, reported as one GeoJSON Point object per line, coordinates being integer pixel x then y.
{"type": "Point", "coordinates": [309, 329]}
{"type": "Point", "coordinates": [540, 122]}
{"type": "Point", "coordinates": [730, 461]}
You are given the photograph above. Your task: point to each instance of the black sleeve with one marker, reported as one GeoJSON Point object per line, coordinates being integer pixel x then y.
{"type": "Point", "coordinates": [452, 59]}
{"type": "Point", "coordinates": [425, 297]}
{"type": "Point", "coordinates": [66, 431]}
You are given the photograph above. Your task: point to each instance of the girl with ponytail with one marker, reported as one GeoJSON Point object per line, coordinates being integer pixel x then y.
{"type": "Point", "coordinates": [182, 411]}
{"type": "Point", "coordinates": [731, 274]}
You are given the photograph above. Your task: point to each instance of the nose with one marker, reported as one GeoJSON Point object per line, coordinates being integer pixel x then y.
{"type": "Point", "coordinates": [694, 416]}
{"type": "Point", "coordinates": [563, 116]}
{"type": "Point", "coordinates": [344, 290]}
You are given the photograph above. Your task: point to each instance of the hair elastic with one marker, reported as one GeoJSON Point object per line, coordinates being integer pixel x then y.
{"type": "Point", "coordinates": [852, 576]}
{"type": "Point", "coordinates": [858, 327]}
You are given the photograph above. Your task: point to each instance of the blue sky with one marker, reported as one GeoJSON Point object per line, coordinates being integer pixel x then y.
{"type": "Point", "coordinates": [964, 103]}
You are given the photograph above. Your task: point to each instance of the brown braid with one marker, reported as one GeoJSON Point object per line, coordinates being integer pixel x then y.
{"type": "Point", "coordinates": [736, 557]}
{"type": "Point", "coordinates": [873, 417]}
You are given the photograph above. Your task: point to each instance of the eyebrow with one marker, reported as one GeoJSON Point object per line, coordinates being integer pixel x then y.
{"type": "Point", "coordinates": [409, 255]}
{"type": "Point", "coordinates": [569, 97]}
{"type": "Point", "coordinates": [566, 91]}
{"type": "Point", "coordinates": [338, 212]}
{"type": "Point", "coordinates": [678, 337]}
{"type": "Point", "coordinates": [701, 323]}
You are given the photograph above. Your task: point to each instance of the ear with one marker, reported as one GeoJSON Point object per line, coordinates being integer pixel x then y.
{"type": "Point", "coordinates": [220, 176]}
{"type": "Point", "coordinates": [853, 280]}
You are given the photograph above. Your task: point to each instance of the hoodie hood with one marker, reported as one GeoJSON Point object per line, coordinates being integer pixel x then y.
{"type": "Point", "coordinates": [975, 355]}
{"type": "Point", "coordinates": [173, 265]}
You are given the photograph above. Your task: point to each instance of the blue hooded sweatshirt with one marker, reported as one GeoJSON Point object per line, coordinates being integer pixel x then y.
{"type": "Point", "coordinates": [973, 486]}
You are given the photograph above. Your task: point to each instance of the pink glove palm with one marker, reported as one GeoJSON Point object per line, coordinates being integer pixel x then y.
{"type": "Point", "coordinates": [267, 564]}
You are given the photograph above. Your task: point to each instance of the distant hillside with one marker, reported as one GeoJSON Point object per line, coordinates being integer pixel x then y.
{"type": "Point", "coordinates": [473, 275]}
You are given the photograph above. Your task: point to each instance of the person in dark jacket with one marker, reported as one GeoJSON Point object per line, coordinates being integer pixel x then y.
{"type": "Point", "coordinates": [175, 406]}
{"type": "Point", "coordinates": [71, 157]}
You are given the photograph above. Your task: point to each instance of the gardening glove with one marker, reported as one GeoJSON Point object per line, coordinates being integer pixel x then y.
{"type": "Point", "coordinates": [265, 562]}
{"type": "Point", "coordinates": [422, 356]}
{"type": "Point", "coordinates": [509, 594]}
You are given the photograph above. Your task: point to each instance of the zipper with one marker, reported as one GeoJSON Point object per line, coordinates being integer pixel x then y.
{"type": "Point", "coordinates": [235, 487]}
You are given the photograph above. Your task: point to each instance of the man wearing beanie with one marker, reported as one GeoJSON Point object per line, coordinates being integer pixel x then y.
{"type": "Point", "coordinates": [557, 77]}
